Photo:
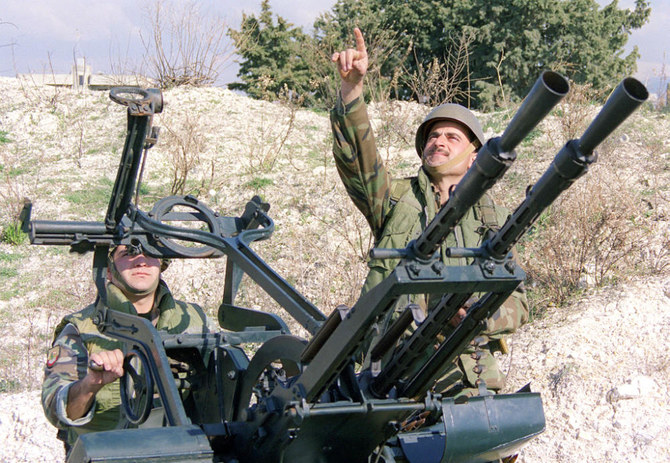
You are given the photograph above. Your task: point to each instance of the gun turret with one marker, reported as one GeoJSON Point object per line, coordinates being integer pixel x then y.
{"type": "Point", "coordinates": [302, 401]}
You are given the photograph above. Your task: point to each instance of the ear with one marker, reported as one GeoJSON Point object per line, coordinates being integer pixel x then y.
{"type": "Point", "coordinates": [471, 158]}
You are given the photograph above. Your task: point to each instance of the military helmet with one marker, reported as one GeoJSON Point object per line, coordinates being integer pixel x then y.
{"type": "Point", "coordinates": [448, 111]}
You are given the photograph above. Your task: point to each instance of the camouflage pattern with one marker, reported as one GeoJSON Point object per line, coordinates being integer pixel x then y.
{"type": "Point", "coordinates": [365, 177]}
{"type": "Point", "coordinates": [76, 337]}
{"type": "Point", "coordinates": [395, 221]}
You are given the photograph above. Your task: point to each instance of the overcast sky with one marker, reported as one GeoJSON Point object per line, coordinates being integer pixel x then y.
{"type": "Point", "coordinates": [35, 33]}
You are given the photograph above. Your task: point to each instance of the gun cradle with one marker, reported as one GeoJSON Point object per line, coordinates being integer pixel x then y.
{"type": "Point", "coordinates": [201, 398]}
{"type": "Point", "coordinates": [279, 427]}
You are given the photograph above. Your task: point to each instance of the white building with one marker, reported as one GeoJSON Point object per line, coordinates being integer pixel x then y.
{"type": "Point", "coordinates": [81, 78]}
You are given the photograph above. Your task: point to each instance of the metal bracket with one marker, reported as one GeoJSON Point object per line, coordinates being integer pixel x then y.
{"type": "Point", "coordinates": [498, 270]}
{"type": "Point", "coordinates": [425, 271]}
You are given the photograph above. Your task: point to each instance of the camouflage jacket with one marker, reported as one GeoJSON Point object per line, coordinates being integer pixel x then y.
{"type": "Point", "coordinates": [397, 219]}
{"type": "Point", "coordinates": [76, 336]}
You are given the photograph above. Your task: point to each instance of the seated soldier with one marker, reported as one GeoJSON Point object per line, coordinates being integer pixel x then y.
{"type": "Point", "coordinates": [77, 399]}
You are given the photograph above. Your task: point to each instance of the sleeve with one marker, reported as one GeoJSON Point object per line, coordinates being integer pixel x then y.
{"type": "Point", "coordinates": [513, 313]}
{"type": "Point", "coordinates": [358, 163]}
{"type": "Point", "coordinates": [66, 364]}
{"type": "Point", "coordinates": [510, 316]}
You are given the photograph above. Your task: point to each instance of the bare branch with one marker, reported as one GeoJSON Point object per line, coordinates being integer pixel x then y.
{"type": "Point", "coordinates": [187, 45]}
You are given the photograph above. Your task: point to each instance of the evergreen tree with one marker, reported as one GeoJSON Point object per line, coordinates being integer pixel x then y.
{"type": "Point", "coordinates": [506, 43]}
{"type": "Point", "coordinates": [513, 40]}
{"type": "Point", "coordinates": [272, 55]}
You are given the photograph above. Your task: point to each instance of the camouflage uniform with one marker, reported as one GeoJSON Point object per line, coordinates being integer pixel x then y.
{"type": "Point", "coordinates": [76, 336]}
{"type": "Point", "coordinates": [396, 219]}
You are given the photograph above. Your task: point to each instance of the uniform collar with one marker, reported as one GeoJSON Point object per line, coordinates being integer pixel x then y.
{"type": "Point", "coordinates": [116, 300]}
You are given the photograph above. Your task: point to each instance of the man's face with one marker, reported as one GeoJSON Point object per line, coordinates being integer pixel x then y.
{"type": "Point", "coordinates": [445, 141]}
{"type": "Point", "coordinates": [139, 272]}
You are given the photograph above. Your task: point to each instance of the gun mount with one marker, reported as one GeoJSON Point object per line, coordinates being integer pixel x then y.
{"type": "Point", "coordinates": [304, 401]}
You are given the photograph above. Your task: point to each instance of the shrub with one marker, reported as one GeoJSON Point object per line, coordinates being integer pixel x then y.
{"type": "Point", "coordinates": [187, 45]}
{"type": "Point", "coordinates": [592, 235]}
{"type": "Point", "coordinates": [12, 234]}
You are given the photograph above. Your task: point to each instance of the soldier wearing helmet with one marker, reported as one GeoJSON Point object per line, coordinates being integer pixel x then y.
{"type": "Point", "coordinates": [398, 210]}
{"type": "Point", "coordinates": [78, 399]}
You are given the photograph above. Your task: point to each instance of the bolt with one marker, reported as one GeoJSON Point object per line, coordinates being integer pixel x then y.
{"type": "Point", "coordinates": [489, 266]}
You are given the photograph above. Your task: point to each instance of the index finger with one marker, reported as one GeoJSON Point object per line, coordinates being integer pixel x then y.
{"type": "Point", "coordinates": [360, 43]}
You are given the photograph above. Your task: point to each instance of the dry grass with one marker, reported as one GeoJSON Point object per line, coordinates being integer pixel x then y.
{"type": "Point", "coordinates": [591, 236]}
{"type": "Point", "coordinates": [187, 45]}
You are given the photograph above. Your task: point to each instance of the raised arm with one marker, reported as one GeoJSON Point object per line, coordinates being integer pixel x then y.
{"type": "Point", "coordinates": [359, 165]}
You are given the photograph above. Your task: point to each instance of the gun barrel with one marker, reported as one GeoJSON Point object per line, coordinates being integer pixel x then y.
{"type": "Point", "coordinates": [571, 162]}
{"type": "Point", "coordinates": [66, 233]}
{"type": "Point", "coordinates": [46, 227]}
{"type": "Point", "coordinates": [492, 161]}
{"type": "Point", "coordinates": [547, 91]}
{"type": "Point", "coordinates": [625, 99]}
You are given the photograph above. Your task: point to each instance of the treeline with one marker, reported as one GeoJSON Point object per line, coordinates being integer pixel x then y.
{"type": "Point", "coordinates": [481, 53]}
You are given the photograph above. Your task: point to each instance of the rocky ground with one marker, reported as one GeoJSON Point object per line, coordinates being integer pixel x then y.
{"type": "Point", "coordinates": [601, 362]}
{"type": "Point", "coordinates": [602, 368]}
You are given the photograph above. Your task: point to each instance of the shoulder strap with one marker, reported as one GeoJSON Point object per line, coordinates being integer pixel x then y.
{"type": "Point", "coordinates": [399, 187]}
{"type": "Point", "coordinates": [486, 213]}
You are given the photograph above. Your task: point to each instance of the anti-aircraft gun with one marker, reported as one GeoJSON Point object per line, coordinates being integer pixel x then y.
{"type": "Point", "coordinates": [299, 400]}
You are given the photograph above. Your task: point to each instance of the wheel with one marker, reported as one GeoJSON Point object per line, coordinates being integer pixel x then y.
{"type": "Point", "coordinates": [137, 388]}
{"type": "Point", "coordinates": [275, 361]}
{"type": "Point", "coordinates": [140, 102]}
{"type": "Point", "coordinates": [116, 92]}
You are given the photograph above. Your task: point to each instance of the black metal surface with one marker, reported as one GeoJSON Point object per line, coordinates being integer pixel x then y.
{"type": "Point", "coordinates": [139, 334]}
{"type": "Point", "coordinates": [137, 387]}
{"type": "Point", "coordinates": [571, 162]}
{"type": "Point", "coordinates": [625, 99]}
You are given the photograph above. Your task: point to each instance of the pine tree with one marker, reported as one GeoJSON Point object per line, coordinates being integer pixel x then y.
{"type": "Point", "coordinates": [271, 55]}
{"type": "Point", "coordinates": [513, 40]}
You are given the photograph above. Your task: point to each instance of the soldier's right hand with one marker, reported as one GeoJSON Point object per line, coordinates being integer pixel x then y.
{"type": "Point", "coordinates": [105, 367]}
{"type": "Point", "coordinates": [352, 64]}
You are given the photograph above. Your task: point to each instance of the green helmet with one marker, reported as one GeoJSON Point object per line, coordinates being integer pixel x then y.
{"type": "Point", "coordinates": [448, 111]}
